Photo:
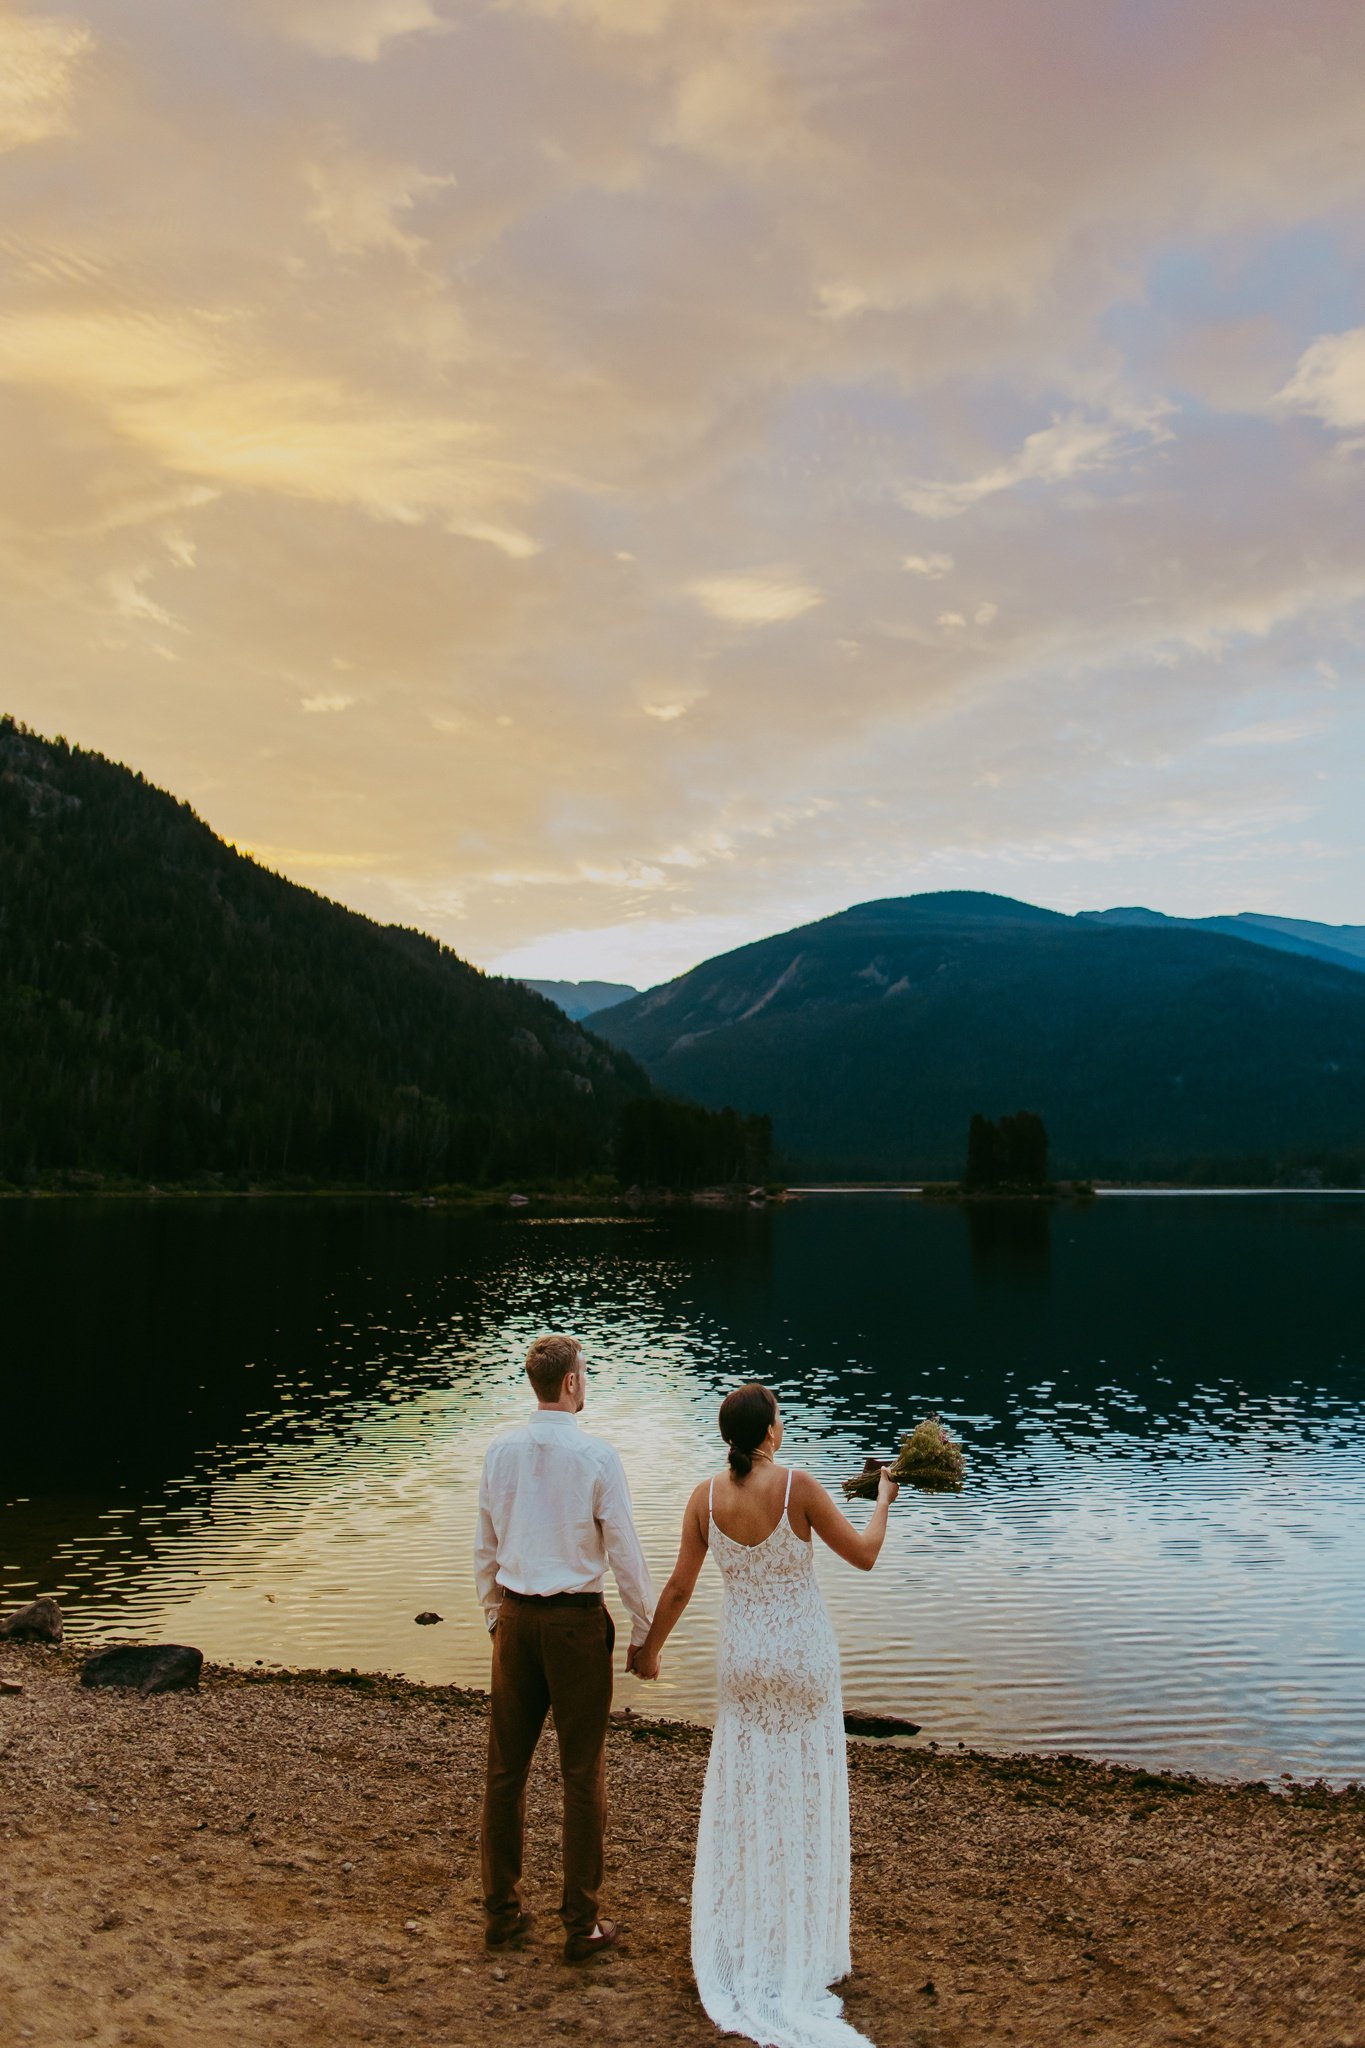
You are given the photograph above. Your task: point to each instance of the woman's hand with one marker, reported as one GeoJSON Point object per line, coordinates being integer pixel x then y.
{"type": "Point", "coordinates": [644, 1662]}
{"type": "Point", "coordinates": [887, 1488]}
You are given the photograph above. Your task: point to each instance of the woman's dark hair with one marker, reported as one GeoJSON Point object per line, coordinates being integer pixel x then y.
{"type": "Point", "coordinates": [746, 1416]}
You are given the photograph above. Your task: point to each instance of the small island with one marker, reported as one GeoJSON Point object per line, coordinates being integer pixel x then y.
{"type": "Point", "coordinates": [1007, 1162]}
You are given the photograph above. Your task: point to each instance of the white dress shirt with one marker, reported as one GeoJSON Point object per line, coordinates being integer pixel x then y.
{"type": "Point", "coordinates": [554, 1511]}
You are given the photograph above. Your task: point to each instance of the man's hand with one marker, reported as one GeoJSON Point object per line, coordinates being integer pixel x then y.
{"type": "Point", "coordinates": [642, 1661]}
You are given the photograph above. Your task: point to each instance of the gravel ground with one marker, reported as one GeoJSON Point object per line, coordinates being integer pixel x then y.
{"type": "Point", "coordinates": [280, 1861]}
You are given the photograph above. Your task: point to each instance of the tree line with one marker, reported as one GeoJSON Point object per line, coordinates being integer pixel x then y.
{"type": "Point", "coordinates": [667, 1144]}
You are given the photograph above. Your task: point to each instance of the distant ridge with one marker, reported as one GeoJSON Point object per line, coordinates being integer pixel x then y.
{"type": "Point", "coordinates": [170, 1009]}
{"type": "Point", "coordinates": [1154, 1049]}
{"type": "Point", "coordinates": [1340, 945]}
{"type": "Point", "coordinates": [581, 998]}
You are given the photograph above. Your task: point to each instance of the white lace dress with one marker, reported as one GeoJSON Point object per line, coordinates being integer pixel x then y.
{"type": "Point", "coordinates": [770, 1894]}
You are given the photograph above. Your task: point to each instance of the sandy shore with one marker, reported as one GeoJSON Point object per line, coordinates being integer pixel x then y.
{"type": "Point", "coordinates": [275, 1862]}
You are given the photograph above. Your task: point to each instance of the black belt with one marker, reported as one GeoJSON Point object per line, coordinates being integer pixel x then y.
{"type": "Point", "coordinates": [553, 1599]}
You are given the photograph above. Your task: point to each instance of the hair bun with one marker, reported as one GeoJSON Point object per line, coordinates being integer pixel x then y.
{"type": "Point", "coordinates": [746, 1416]}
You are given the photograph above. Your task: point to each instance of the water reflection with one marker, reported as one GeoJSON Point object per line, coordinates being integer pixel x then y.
{"type": "Point", "coordinates": [1010, 1242]}
{"type": "Point", "coordinates": [258, 1427]}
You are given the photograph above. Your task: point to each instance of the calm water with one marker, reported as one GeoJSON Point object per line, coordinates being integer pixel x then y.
{"type": "Point", "coordinates": [257, 1427]}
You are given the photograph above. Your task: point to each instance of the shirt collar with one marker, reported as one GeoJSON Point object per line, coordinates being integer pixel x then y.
{"type": "Point", "coordinates": [554, 1415]}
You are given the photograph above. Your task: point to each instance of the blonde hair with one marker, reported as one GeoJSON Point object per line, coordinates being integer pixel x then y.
{"type": "Point", "coordinates": [548, 1363]}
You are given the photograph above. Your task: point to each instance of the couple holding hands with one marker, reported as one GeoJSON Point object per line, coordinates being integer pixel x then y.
{"type": "Point", "coordinates": [770, 1895]}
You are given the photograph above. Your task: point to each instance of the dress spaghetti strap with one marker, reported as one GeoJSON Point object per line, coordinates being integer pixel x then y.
{"type": "Point", "coordinates": [788, 1494]}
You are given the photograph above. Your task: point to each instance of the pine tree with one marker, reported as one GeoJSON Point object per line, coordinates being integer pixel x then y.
{"type": "Point", "coordinates": [983, 1154]}
{"type": "Point", "coordinates": [1024, 1143]}
{"type": "Point", "coordinates": [1011, 1153]}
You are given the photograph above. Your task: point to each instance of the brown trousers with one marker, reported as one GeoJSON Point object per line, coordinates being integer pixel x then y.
{"type": "Point", "coordinates": [547, 1657]}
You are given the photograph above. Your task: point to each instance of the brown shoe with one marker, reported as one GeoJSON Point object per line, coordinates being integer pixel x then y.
{"type": "Point", "coordinates": [580, 1948]}
{"type": "Point", "coordinates": [499, 1937]}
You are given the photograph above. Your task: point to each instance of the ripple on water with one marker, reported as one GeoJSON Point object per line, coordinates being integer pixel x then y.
{"type": "Point", "coordinates": [1147, 1563]}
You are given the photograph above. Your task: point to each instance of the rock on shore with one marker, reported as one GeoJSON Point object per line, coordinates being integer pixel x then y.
{"type": "Point", "coordinates": [39, 1622]}
{"type": "Point", "coordinates": [145, 1667]}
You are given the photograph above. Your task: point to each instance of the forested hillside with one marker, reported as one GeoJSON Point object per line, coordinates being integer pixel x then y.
{"type": "Point", "coordinates": [1150, 1052]}
{"type": "Point", "coordinates": [169, 1008]}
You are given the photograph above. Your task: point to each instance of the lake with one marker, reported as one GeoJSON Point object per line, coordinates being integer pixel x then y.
{"type": "Point", "coordinates": [257, 1426]}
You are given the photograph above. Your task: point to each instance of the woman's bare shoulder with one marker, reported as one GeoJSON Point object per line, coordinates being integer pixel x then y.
{"type": "Point", "coordinates": [806, 1490]}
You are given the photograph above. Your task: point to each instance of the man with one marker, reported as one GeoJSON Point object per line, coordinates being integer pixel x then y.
{"type": "Point", "coordinates": [554, 1509]}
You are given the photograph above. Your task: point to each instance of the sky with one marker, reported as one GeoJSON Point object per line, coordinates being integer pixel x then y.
{"type": "Point", "coordinates": [606, 480]}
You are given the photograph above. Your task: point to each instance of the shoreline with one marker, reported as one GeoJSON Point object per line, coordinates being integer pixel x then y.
{"type": "Point", "coordinates": [382, 1685]}
{"type": "Point", "coordinates": [289, 1858]}
{"type": "Point", "coordinates": [941, 1193]}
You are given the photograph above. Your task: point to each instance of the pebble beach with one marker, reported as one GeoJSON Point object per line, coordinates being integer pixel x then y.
{"type": "Point", "coordinates": [283, 1860]}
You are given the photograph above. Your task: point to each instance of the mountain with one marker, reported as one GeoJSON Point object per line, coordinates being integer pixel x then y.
{"type": "Point", "coordinates": [1151, 1051]}
{"type": "Point", "coordinates": [1340, 945]}
{"type": "Point", "coordinates": [168, 1008]}
{"type": "Point", "coordinates": [581, 998]}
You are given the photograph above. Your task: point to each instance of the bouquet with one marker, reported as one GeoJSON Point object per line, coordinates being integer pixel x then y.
{"type": "Point", "coordinates": [928, 1458]}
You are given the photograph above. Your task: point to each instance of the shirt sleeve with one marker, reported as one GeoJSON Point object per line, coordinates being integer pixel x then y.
{"type": "Point", "coordinates": [624, 1555]}
{"type": "Point", "coordinates": [486, 1556]}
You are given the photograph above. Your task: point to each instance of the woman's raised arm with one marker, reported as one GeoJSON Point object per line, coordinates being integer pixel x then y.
{"type": "Point", "coordinates": [676, 1594]}
{"type": "Point", "coordinates": [855, 1546]}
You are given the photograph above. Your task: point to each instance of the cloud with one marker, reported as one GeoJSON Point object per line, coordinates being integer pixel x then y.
{"type": "Point", "coordinates": [1329, 380]}
{"type": "Point", "coordinates": [584, 387]}
{"type": "Point", "coordinates": [130, 600]}
{"type": "Point", "coordinates": [762, 597]}
{"type": "Point", "coordinates": [39, 62]}
{"type": "Point", "coordinates": [1269, 732]}
{"type": "Point", "coordinates": [201, 394]}
{"type": "Point", "coordinates": [1071, 447]}
{"type": "Point", "coordinates": [520, 547]}
{"type": "Point", "coordinates": [935, 567]}
{"type": "Point", "coordinates": [632, 18]}
{"type": "Point", "coordinates": [362, 29]}
{"type": "Point", "coordinates": [357, 202]}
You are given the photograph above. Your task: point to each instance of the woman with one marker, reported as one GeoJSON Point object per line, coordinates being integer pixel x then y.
{"type": "Point", "coordinates": [770, 1892]}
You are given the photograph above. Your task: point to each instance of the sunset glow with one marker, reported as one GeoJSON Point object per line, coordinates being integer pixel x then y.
{"type": "Point", "coordinates": [604, 480]}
